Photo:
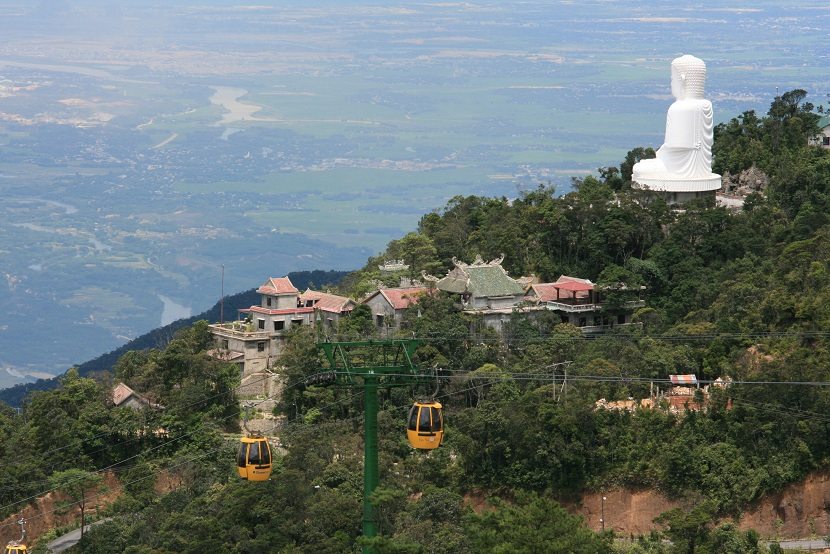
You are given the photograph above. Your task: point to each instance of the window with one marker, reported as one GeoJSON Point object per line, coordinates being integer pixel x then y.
{"type": "Point", "coordinates": [413, 419]}
{"type": "Point", "coordinates": [279, 325]}
{"type": "Point", "coordinates": [825, 141]}
{"type": "Point", "coordinates": [297, 321]}
{"type": "Point", "coordinates": [268, 301]}
{"type": "Point", "coordinates": [224, 344]}
{"type": "Point", "coordinates": [621, 319]}
{"type": "Point", "coordinates": [253, 454]}
{"type": "Point", "coordinates": [379, 320]}
{"type": "Point", "coordinates": [243, 451]}
{"type": "Point", "coordinates": [260, 324]}
{"type": "Point", "coordinates": [260, 346]}
{"type": "Point", "coordinates": [436, 419]}
{"type": "Point", "coordinates": [424, 425]}
{"type": "Point", "coordinates": [583, 322]}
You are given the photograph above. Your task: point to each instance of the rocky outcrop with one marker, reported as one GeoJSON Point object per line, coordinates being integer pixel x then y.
{"type": "Point", "coordinates": [745, 183]}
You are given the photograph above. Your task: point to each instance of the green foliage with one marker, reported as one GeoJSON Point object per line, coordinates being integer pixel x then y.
{"type": "Point", "coordinates": [743, 295]}
{"type": "Point", "coordinates": [533, 524]}
{"type": "Point", "coordinates": [77, 485]}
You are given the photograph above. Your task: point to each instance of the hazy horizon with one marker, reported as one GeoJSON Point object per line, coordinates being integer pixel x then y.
{"type": "Point", "coordinates": [144, 145]}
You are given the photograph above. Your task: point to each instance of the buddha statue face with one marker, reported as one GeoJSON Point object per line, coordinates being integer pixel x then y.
{"type": "Point", "coordinates": [688, 77]}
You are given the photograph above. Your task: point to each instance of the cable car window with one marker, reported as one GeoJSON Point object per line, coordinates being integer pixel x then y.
{"type": "Point", "coordinates": [266, 453]}
{"type": "Point", "coordinates": [240, 458]}
{"type": "Point", "coordinates": [253, 453]}
{"type": "Point", "coordinates": [413, 419]}
{"type": "Point", "coordinates": [424, 424]}
{"type": "Point", "coordinates": [436, 419]}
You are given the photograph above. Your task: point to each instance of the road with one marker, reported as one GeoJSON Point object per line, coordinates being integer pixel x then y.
{"type": "Point", "coordinates": [803, 544]}
{"type": "Point", "coordinates": [67, 541]}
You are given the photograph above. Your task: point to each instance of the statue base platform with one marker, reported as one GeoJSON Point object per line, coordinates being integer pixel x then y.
{"type": "Point", "coordinates": [711, 182]}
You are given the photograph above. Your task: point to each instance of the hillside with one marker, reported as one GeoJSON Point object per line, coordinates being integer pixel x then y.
{"type": "Point", "coordinates": [737, 298]}
{"type": "Point", "coordinates": [158, 338]}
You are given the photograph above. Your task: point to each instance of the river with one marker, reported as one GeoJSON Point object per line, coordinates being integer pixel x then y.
{"type": "Point", "coordinates": [228, 98]}
{"type": "Point", "coordinates": [172, 310]}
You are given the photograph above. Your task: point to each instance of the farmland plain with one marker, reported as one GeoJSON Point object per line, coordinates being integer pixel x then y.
{"type": "Point", "coordinates": [145, 145]}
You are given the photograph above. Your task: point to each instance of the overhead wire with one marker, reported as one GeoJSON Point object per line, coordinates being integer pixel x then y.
{"type": "Point", "coordinates": [619, 335]}
{"type": "Point", "coordinates": [48, 453]}
{"type": "Point", "coordinates": [491, 379]}
{"type": "Point", "coordinates": [168, 467]}
{"type": "Point", "coordinates": [506, 376]}
{"type": "Point", "coordinates": [161, 445]}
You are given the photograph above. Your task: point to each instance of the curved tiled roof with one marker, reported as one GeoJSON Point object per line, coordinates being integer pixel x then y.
{"type": "Point", "coordinates": [278, 285]}
{"type": "Point", "coordinates": [481, 281]}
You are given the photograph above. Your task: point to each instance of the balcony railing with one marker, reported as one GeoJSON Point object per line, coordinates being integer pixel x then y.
{"type": "Point", "coordinates": [239, 329]}
{"type": "Point", "coordinates": [577, 306]}
{"type": "Point", "coordinates": [573, 307]}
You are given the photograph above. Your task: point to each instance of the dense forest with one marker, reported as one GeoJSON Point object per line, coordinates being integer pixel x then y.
{"type": "Point", "coordinates": [739, 294]}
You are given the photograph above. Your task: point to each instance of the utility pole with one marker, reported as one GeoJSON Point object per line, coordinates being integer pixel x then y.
{"type": "Point", "coordinates": [370, 453]}
{"type": "Point", "coordinates": [553, 367]}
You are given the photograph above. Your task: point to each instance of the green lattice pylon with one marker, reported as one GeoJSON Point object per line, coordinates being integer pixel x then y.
{"type": "Point", "coordinates": [369, 365]}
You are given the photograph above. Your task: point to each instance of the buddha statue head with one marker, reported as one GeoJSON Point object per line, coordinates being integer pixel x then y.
{"type": "Point", "coordinates": [688, 77]}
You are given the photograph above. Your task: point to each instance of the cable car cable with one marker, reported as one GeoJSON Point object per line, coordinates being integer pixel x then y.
{"type": "Point", "coordinates": [169, 467]}
{"type": "Point", "coordinates": [36, 495]}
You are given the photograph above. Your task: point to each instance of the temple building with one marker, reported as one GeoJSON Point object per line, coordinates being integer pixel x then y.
{"type": "Point", "coordinates": [389, 304]}
{"type": "Point", "coordinates": [823, 138]}
{"type": "Point", "coordinates": [581, 303]}
{"type": "Point", "coordinates": [484, 289]}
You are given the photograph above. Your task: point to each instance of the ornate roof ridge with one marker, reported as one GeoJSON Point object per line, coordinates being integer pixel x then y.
{"type": "Point", "coordinates": [479, 262]}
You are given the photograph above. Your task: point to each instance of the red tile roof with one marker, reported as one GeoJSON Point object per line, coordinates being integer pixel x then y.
{"type": "Point", "coordinates": [545, 292]}
{"type": "Point", "coordinates": [400, 299]}
{"type": "Point", "coordinates": [573, 287]}
{"type": "Point", "coordinates": [286, 311]}
{"type": "Point", "coordinates": [277, 285]}
{"type": "Point", "coordinates": [328, 302]}
{"type": "Point", "coordinates": [120, 393]}
{"type": "Point", "coordinates": [573, 283]}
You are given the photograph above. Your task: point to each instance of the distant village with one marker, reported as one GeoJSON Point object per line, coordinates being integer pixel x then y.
{"type": "Point", "coordinates": [483, 290]}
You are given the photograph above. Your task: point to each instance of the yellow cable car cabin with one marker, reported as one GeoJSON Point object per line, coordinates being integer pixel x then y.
{"type": "Point", "coordinates": [254, 459]}
{"type": "Point", "coordinates": [15, 547]}
{"type": "Point", "coordinates": [425, 430]}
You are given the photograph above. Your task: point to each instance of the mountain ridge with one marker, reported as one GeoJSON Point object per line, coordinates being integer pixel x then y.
{"type": "Point", "coordinates": [159, 337]}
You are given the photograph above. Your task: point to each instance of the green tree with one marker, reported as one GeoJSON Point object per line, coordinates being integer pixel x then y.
{"type": "Point", "coordinates": [416, 250]}
{"type": "Point", "coordinates": [688, 529]}
{"type": "Point", "coordinates": [533, 524]}
{"type": "Point", "coordinates": [79, 486]}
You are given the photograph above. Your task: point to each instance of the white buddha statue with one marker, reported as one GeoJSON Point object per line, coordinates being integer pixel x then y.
{"type": "Point", "coordinates": [684, 162]}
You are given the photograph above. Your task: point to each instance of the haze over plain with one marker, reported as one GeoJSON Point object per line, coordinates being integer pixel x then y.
{"type": "Point", "coordinates": [142, 145]}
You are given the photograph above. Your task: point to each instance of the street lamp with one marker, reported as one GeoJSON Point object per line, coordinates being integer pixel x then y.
{"type": "Point", "coordinates": [602, 514]}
